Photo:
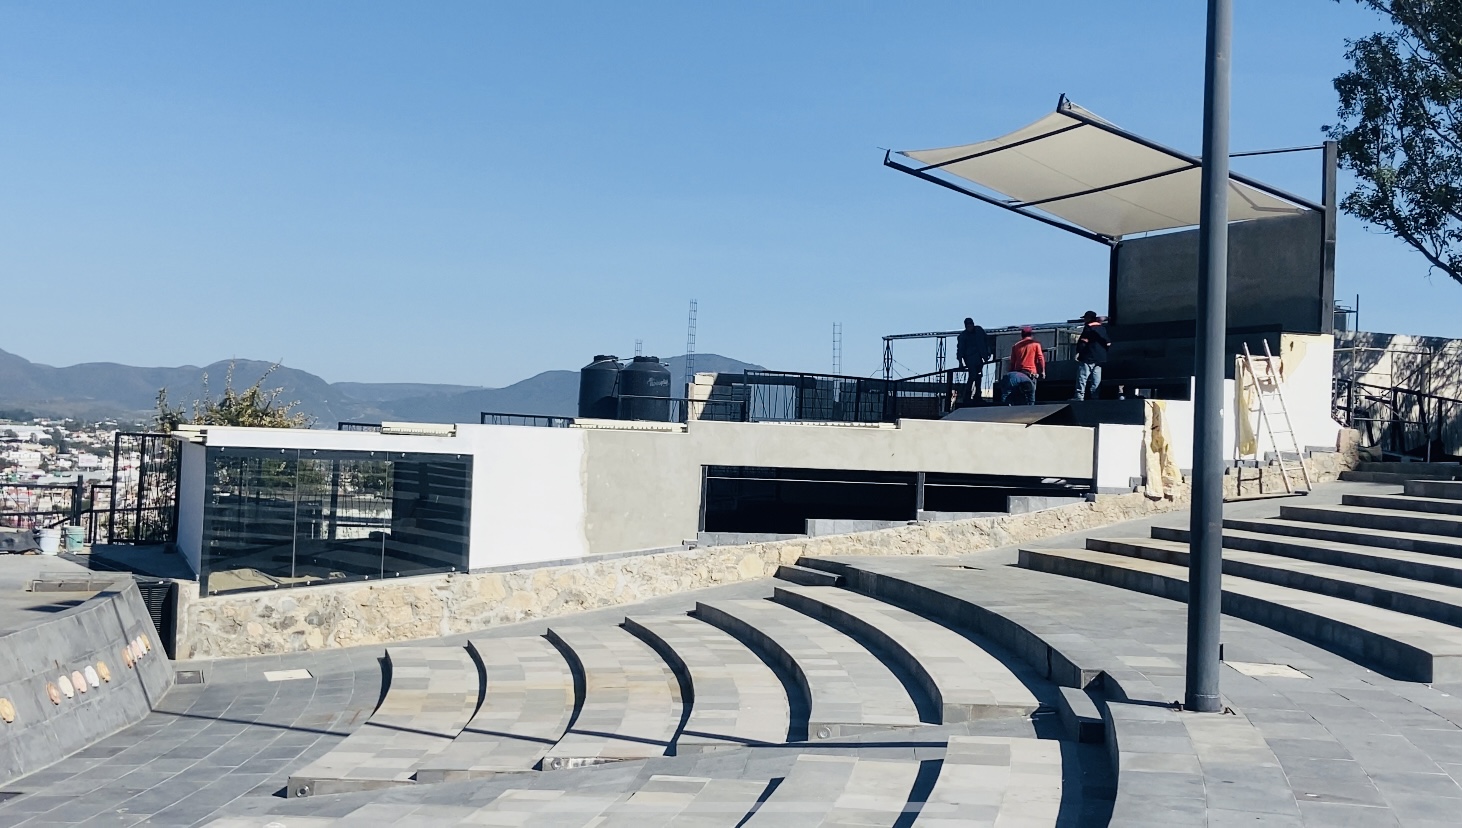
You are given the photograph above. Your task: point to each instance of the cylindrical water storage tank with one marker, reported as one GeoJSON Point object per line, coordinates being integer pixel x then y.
{"type": "Point", "coordinates": [644, 390]}
{"type": "Point", "coordinates": [599, 388]}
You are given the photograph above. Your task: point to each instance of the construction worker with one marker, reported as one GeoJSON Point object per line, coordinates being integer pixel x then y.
{"type": "Point", "coordinates": [972, 349]}
{"type": "Point", "coordinates": [1027, 357]}
{"type": "Point", "coordinates": [1091, 355]}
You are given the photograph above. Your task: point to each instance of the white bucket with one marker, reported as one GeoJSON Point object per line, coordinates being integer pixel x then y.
{"type": "Point", "coordinates": [49, 540]}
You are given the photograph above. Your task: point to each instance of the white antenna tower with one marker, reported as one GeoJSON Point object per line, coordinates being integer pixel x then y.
{"type": "Point", "coordinates": [639, 347]}
{"type": "Point", "coordinates": [837, 349]}
{"type": "Point", "coordinates": [690, 346]}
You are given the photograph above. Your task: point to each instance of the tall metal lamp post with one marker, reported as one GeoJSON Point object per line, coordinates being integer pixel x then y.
{"type": "Point", "coordinates": [1205, 559]}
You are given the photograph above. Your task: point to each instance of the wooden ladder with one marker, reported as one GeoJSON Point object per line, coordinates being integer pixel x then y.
{"type": "Point", "coordinates": [1266, 388]}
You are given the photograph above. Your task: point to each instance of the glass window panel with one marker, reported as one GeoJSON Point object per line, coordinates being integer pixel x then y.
{"type": "Point", "coordinates": [306, 517]}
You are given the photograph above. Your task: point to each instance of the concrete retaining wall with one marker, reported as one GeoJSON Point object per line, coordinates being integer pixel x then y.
{"type": "Point", "coordinates": [53, 713]}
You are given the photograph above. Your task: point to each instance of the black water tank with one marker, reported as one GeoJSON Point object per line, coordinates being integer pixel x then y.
{"type": "Point", "coordinates": [599, 388]}
{"type": "Point", "coordinates": [644, 389]}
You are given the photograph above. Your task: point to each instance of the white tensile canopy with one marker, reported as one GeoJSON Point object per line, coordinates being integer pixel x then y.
{"type": "Point", "coordinates": [1073, 166]}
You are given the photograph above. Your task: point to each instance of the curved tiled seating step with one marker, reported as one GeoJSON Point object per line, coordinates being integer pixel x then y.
{"type": "Point", "coordinates": [735, 698]}
{"type": "Point", "coordinates": [839, 790]}
{"type": "Point", "coordinates": [1404, 503]}
{"type": "Point", "coordinates": [1367, 517]}
{"type": "Point", "coordinates": [983, 776]}
{"type": "Point", "coordinates": [964, 681]}
{"type": "Point", "coordinates": [847, 688]}
{"type": "Point", "coordinates": [1423, 600]}
{"type": "Point", "coordinates": [992, 607]}
{"type": "Point", "coordinates": [1410, 648]}
{"type": "Point", "coordinates": [632, 703]}
{"type": "Point", "coordinates": [527, 707]}
{"type": "Point", "coordinates": [1415, 565]}
{"type": "Point", "coordinates": [433, 692]}
{"type": "Point", "coordinates": [1329, 532]}
{"type": "Point", "coordinates": [1446, 489]}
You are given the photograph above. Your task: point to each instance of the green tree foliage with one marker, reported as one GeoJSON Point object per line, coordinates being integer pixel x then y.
{"type": "Point", "coordinates": [1401, 127]}
{"type": "Point", "coordinates": [254, 406]}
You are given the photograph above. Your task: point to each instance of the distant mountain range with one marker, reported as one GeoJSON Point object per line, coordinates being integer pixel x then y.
{"type": "Point", "coordinates": [103, 389]}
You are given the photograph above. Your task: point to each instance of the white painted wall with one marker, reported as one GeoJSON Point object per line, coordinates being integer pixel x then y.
{"type": "Point", "coordinates": [528, 500]}
{"type": "Point", "coordinates": [1119, 456]}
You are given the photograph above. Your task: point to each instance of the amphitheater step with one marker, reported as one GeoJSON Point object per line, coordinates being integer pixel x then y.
{"type": "Point", "coordinates": [632, 701]}
{"type": "Point", "coordinates": [990, 780]}
{"type": "Point", "coordinates": [1448, 489]}
{"type": "Point", "coordinates": [433, 693]}
{"type": "Point", "coordinates": [1408, 648]}
{"type": "Point", "coordinates": [1404, 595]}
{"type": "Point", "coordinates": [807, 576]}
{"type": "Point", "coordinates": [736, 699]}
{"type": "Point", "coordinates": [1329, 533]}
{"type": "Point", "coordinates": [1080, 717]}
{"type": "Point", "coordinates": [528, 704]}
{"type": "Point", "coordinates": [657, 802]}
{"type": "Point", "coordinates": [1404, 503]}
{"type": "Point", "coordinates": [838, 790]}
{"type": "Point", "coordinates": [1395, 478]}
{"type": "Point", "coordinates": [846, 687]}
{"type": "Point", "coordinates": [1385, 520]}
{"type": "Point", "coordinates": [964, 681]}
{"type": "Point", "coordinates": [1406, 467]}
{"type": "Point", "coordinates": [1415, 565]}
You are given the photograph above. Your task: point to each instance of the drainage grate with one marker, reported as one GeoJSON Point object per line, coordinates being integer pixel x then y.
{"type": "Point", "coordinates": [188, 676]}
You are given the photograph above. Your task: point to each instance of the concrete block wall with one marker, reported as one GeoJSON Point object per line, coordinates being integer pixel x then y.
{"type": "Point", "coordinates": [109, 644]}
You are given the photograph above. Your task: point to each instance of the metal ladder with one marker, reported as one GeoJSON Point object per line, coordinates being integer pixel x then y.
{"type": "Point", "coordinates": [1267, 392]}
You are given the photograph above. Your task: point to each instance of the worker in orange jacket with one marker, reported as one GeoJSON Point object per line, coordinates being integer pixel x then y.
{"type": "Point", "coordinates": [1027, 357]}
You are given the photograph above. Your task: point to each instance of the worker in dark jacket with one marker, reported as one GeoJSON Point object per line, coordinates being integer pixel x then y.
{"type": "Point", "coordinates": [1091, 354]}
{"type": "Point", "coordinates": [972, 349]}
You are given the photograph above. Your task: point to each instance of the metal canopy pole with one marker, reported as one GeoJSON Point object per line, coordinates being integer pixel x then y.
{"type": "Point", "coordinates": [1205, 559]}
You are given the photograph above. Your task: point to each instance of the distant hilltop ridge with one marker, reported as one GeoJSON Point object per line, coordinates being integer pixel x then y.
{"type": "Point", "coordinates": [106, 389]}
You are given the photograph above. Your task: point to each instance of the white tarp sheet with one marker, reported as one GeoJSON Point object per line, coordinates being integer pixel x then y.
{"type": "Point", "coordinates": [1061, 157]}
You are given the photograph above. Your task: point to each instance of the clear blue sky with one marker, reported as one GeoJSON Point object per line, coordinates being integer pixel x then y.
{"type": "Point", "coordinates": [472, 192]}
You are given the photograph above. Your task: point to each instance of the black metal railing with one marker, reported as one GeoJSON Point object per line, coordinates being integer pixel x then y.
{"type": "Point", "coordinates": [50, 505]}
{"type": "Point", "coordinates": [633, 408]}
{"type": "Point", "coordinates": [144, 497]}
{"type": "Point", "coordinates": [1403, 421]}
{"type": "Point", "coordinates": [534, 420]}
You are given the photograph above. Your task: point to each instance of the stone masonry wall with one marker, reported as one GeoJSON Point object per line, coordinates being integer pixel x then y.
{"type": "Point", "coordinates": [377, 612]}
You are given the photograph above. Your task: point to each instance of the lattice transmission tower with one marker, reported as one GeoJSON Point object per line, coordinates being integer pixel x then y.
{"type": "Point", "coordinates": [837, 348]}
{"type": "Point", "coordinates": [690, 346]}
